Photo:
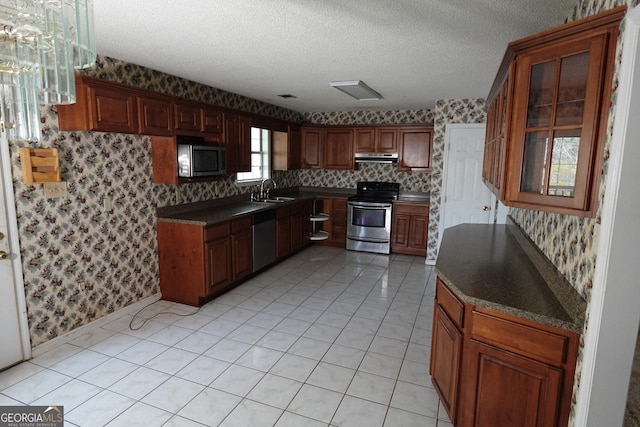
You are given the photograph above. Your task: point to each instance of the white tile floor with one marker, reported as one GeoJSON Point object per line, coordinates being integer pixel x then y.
{"type": "Point", "coordinates": [328, 337]}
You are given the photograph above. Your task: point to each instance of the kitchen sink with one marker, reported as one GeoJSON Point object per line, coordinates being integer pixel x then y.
{"type": "Point", "coordinates": [278, 199]}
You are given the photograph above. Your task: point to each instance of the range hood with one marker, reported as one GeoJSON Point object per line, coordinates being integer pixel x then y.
{"type": "Point", "coordinates": [376, 157]}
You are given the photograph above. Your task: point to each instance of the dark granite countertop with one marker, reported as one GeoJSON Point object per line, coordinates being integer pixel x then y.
{"type": "Point", "coordinates": [498, 267]}
{"type": "Point", "coordinates": [215, 211]}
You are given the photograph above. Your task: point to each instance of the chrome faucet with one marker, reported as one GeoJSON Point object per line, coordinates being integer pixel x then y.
{"type": "Point", "coordinates": [264, 194]}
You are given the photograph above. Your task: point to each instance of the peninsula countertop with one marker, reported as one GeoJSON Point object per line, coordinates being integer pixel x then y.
{"type": "Point", "coordinates": [498, 267]}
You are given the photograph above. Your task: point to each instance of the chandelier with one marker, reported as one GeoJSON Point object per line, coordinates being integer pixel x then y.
{"type": "Point", "coordinates": [42, 42]}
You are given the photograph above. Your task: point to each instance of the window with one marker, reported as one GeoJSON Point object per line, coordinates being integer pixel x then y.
{"type": "Point", "coordinates": [260, 167]}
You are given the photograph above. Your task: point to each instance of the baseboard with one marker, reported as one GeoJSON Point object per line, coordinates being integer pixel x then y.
{"type": "Point", "coordinates": [71, 335]}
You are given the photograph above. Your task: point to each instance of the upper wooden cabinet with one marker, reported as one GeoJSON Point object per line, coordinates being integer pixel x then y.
{"type": "Point", "coordinates": [337, 150]}
{"type": "Point", "coordinates": [414, 153]}
{"type": "Point", "coordinates": [311, 156]}
{"type": "Point", "coordinates": [155, 116]}
{"type": "Point", "coordinates": [287, 149]}
{"type": "Point", "coordinates": [212, 121]}
{"type": "Point", "coordinates": [188, 117]}
{"type": "Point", "coordinates": [334, 147]}
{"type": "Point", "coordinates": [100, 106]}
{"type": "Point", "coordinates": [547, 117]}
{"type": "Point", "coordinates": [376, 140]}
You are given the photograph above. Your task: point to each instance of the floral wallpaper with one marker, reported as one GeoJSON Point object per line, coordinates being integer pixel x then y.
{"type": "Point", "coordinates": [365, 172]}
{"type": "Point", "coordinates": [446, 112]}
{"type": "Point", "coordinates": [81, 262]}
{"type": "Point", "coordinates": [370, 117]}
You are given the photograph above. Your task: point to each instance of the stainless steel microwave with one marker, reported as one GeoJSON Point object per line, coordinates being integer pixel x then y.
{"type": "Point", "coordinates": [195, 160]}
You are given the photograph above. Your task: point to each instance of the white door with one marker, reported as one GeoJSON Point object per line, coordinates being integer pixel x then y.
{"type": "Point", "coordinates": [13, 322]}
{"type": "Point", "coordinates": [465, 197]}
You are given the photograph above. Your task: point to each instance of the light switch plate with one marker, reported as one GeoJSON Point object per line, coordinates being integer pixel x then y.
{"type": "Point", "coordinates": [54, 190]}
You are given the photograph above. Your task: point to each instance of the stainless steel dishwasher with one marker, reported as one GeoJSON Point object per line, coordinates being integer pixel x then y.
{"type": "Point", "coordinates": [263, 226]}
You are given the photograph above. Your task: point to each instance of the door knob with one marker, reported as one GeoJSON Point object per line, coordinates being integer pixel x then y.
{"type": "Point", "coordinates": [1, 236]}
{"type": "Point", "coordinates": [486, 208]}
{"type": "Point", "coordinates": [4, 255]}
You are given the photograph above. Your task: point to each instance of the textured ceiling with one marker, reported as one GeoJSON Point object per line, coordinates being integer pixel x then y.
{"type": "Point", "coordinates": [411, 51]}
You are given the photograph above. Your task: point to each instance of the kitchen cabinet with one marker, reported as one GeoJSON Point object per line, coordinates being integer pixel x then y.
{"type": "Point", "coordinates": [376, 139]}
{"type": "Point", "coordinates": [496, 131]}
{"type": "Point", "coordinates": [188, 117]}
{"type": "Point", "coordinates": [552, 124]}
{"type": "Point", "coordinates": [181, 261]}
{"type": "Point", "coordinates": [446, 348]}
{"type": "Point", "coordinates": [100, 106]}
{"type": "Point", "coordinates": [212, 121]}
{"type": "Point", "coordinates": [311, 150]}
{"type": "Point", "coordinates": [337, 150]}
{"type": "Point", "coordinates": [327, 148]}
{"type": "Point", "coordinates": [287, 149]}
{"type": "Point", "coordinates": [283, 232]}
{"type": "Point", "coordinates": [241, 248]}
{"type": "Point", "coordinates": [297, 229]}
{"type": "Point", "coordinates": [291, 228]}
{"type": "Point", "coordinates": [492, 368]}
{"type": "Point", "coordinates": [192, 118]}
{"type": "Point", "coordinates": [414, 148]}
{"type": "Point", "coordinates": [197, 263]}
{"type": "Point", "coordinates": [155, 116]}
{"type": "Point", "coordinates": [107, 106]}
{"type": "Point", "coordinates": [218, 261]}
{"type": "Point", "coordinates": [164, 160]}
{"type": "Point", "coordinates": [334, 147]}
{"type": "Point", "coordinates": [237, 132]}
{"type": "Point", "coordinates": [410, 224]}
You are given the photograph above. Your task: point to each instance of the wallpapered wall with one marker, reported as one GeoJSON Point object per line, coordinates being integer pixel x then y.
{"type": "Point", "coordinates": [446, 112]}
{"type": "Point", "coordinates": [80, 262]}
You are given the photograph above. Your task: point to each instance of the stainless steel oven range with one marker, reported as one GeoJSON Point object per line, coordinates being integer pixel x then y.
{"type": "Point", "coordinates": [369, 216]}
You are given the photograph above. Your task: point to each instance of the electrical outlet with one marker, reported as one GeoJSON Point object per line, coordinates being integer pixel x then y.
{"type": "Point", "coordinates": [54, 190]}
{"type": "Point", "coordinates": [106, 204]}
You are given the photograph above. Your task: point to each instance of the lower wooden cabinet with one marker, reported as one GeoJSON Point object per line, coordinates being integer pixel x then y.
{"type": "Point", "coordinates": [218, 258]}
{"type": "Point", "coordinates": [492, 369]}
{"type": "Point", "coordinates": [511, 389]}
{"type": "Point", "coordinates": [409, 229]}
{"type": "Point", "coordinates": [290, 228]}
{"type": "Point", "coordinates": [283, 232]}
{"type": "Point", "coordinates": [241, 248]}
{"type": "Point", "coordinates": [197, 263]}
{"type": "Point", "coordinates": [446, 359]}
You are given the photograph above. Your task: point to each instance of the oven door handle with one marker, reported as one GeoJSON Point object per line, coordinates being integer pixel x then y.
{"type": "Point", "coordinates": [370, 205]}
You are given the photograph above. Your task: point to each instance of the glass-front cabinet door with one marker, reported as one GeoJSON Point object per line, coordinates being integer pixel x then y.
{"type": "Point", "coordinates": [554, 139]}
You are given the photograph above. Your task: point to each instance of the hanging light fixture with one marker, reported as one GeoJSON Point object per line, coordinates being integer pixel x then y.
{"type": "Point", "coordinates": [42, 42]}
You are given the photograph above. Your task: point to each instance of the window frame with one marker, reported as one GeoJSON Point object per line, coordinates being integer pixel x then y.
{"type": "Point", "coordinates": [264, 155]}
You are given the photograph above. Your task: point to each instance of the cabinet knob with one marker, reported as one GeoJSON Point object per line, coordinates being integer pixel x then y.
{"type": "Point", "coordinates": [4, 255]}
{"type": "Point", "coordinates": [486, 208]}
{"type": "Point", "coordinates": [1, 236]}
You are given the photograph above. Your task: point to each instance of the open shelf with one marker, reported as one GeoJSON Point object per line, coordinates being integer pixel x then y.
{"type": "Point", "coordinates": [319, 235]}
{"type": "Point", "coordinates": [319, 217]}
